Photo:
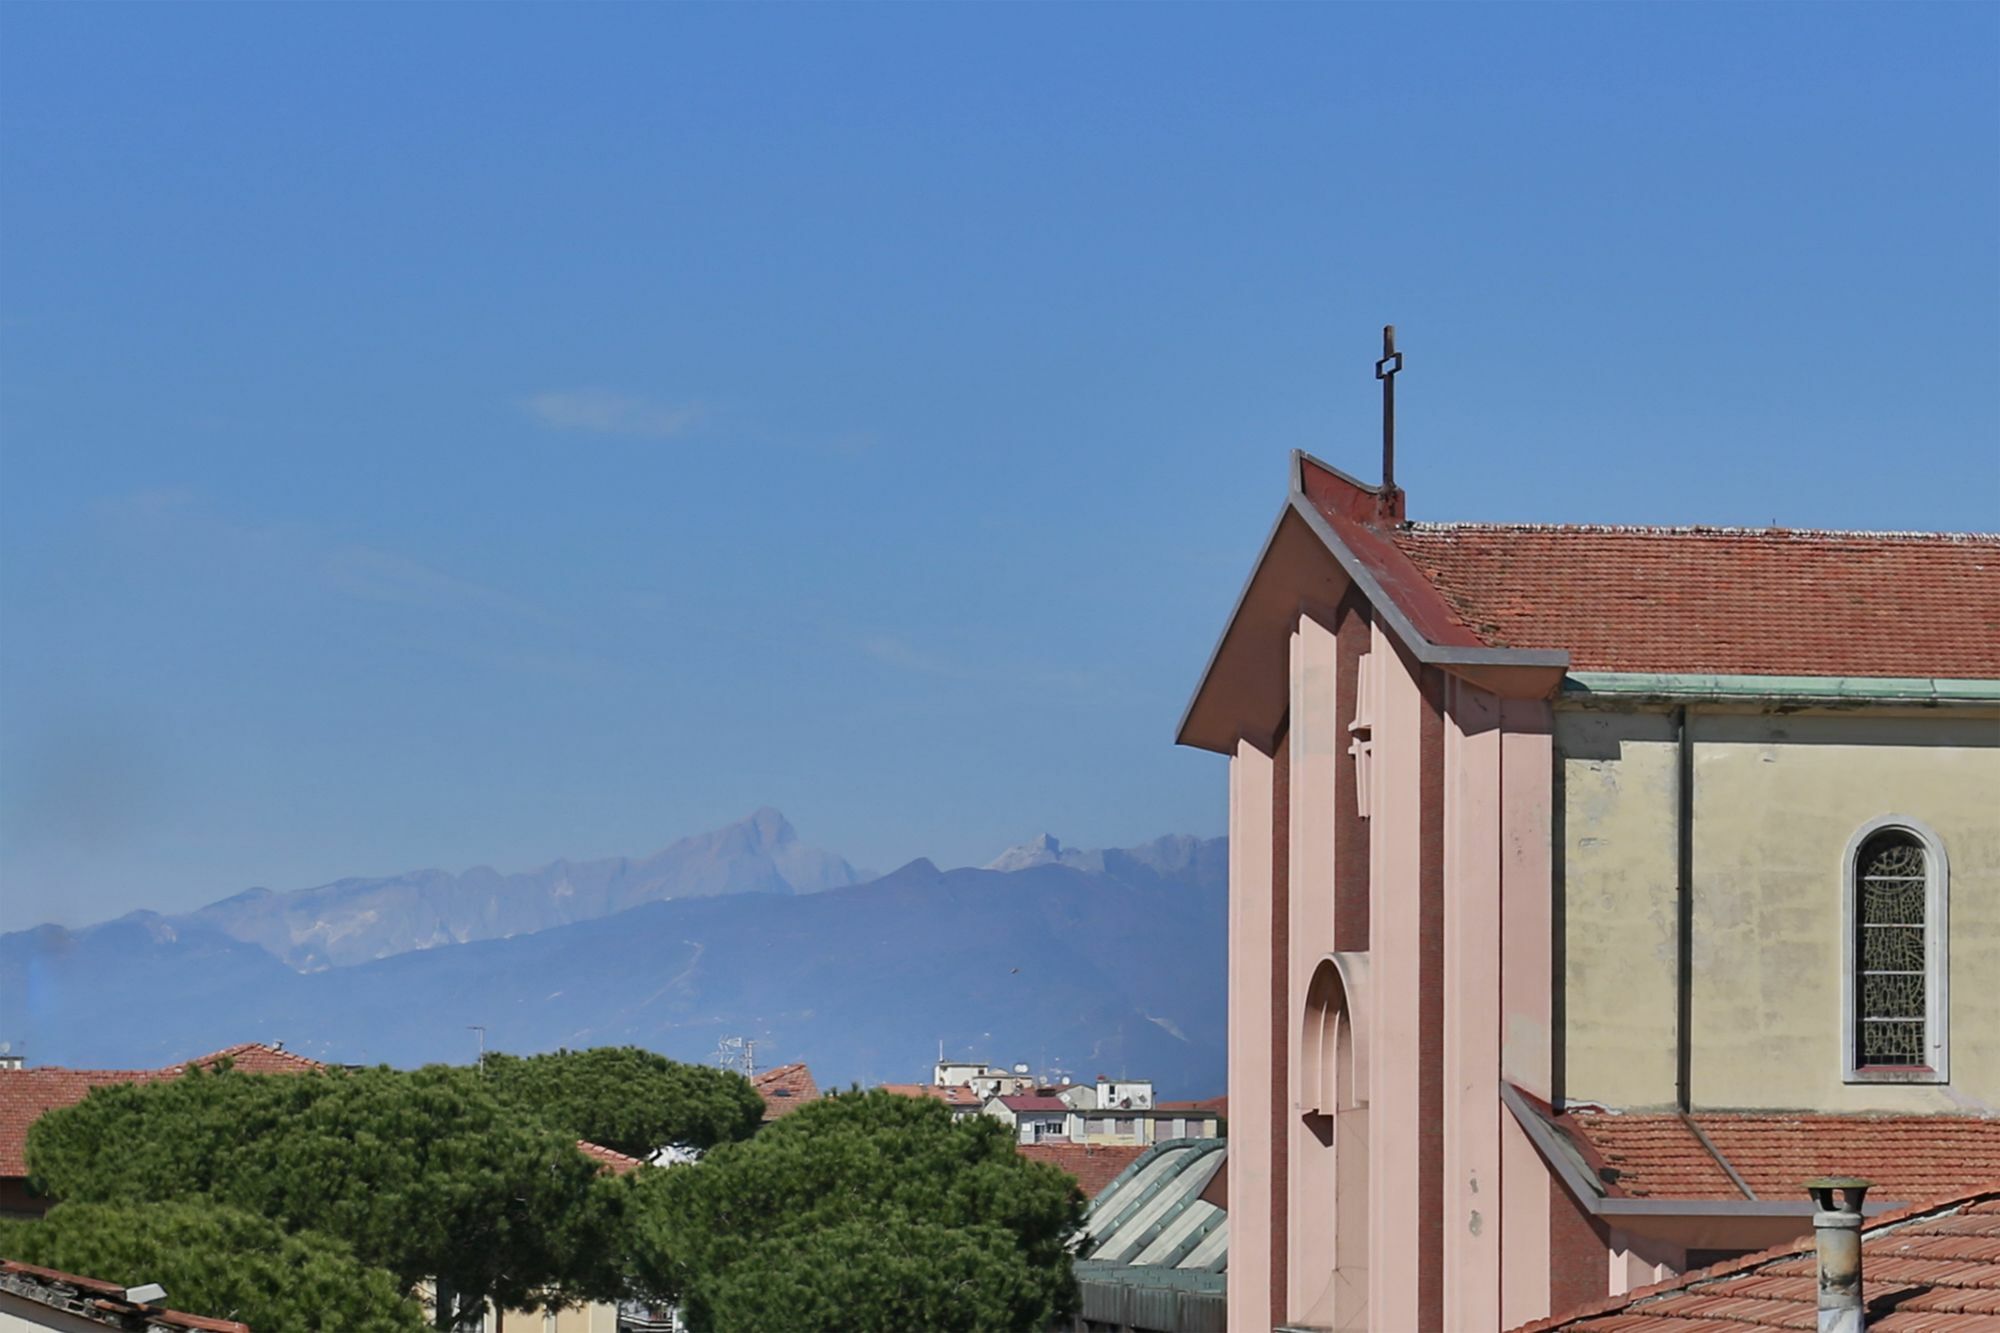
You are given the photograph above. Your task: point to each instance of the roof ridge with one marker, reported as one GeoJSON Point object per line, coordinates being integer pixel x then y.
{"type": "Point", "coordinates": [1700, 530]}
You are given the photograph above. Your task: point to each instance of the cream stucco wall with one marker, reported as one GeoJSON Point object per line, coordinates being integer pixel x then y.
{"type": "Point", "coordinates": [1777, 799]}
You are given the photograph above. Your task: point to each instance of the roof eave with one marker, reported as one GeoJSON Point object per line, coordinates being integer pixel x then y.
{"type": "Point", "coordinates": [1509, 672]}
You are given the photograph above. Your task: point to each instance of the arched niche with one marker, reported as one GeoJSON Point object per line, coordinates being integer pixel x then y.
{"type": "Point", "coordinates": [1333, 1060]}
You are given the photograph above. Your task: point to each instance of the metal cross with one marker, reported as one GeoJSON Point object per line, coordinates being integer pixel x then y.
{"type": "Point", "coordinates": [1386, 370]}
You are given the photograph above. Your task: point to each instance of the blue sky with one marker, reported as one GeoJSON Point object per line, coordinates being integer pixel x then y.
{"type": "Point", "coordinates": [445, 435]}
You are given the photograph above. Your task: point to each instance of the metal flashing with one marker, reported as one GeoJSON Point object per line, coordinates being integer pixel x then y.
{"type": "Point", "coordinates": [1569, 1167]}
{"type": "Point", "coordinates": [1674, 687]}
{"type": "Point", "coordinates": [1425, 651]}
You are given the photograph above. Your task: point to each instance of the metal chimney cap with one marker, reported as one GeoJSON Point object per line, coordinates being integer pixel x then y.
{"type": "Point", "coordinates": [1852, 1190]}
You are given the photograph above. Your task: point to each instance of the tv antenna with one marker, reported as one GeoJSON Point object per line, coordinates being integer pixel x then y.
{"type": "Point", "coordinates": [738, 1053]}
{"type": "Point", "coordinates": [480, 1028]}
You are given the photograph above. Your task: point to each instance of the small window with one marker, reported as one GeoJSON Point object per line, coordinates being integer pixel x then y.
{"type": "Point", "coordinates": [1896, 1002]}
{"type": "Point", "coordinates": [1361, 731]}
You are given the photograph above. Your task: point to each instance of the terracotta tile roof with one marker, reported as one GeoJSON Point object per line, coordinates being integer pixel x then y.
{"type": "Point", "coordinates": [1775, 601]}
{"type": "Point", "coordinates": [1750, 601]}
{"type": "Point", "coordinates": [961, 1098]}
{"type": "Point", "coordinates": [1907, 1156]}
{"type": "Point", "coordinates": [1930, 1268]}
{"type": "Point", "coordinates": [25, 1094]}
{"type": "Point", "coordinates": [1211, 1105]}
{"type": "Point", "coordinates": [610, 1160]}
{"type": "Point", "coordinates": [100, 1302]}
{"type": "Point", "coordinates": [254, 1057]}
{"type": "Point", "coordinates": [1034, 1102]}
{"type": "Point", "coordinates": [785, 1089]}
{"type": "Point", "coordinates": [1094, 1166]}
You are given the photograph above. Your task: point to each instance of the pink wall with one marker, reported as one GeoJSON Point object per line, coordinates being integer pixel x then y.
{"type": "Point", "coordinates": [1249, 1040]}
{"type": "Point", "coordinates": [1451, 1222]}
{"type": "Point", "coordinates": [1395, 930]}
{"type": "Point", "coordinates": [1318, 742]}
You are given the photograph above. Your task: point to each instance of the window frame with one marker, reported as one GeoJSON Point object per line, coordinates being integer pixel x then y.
{"type": "Point", "coordinates": [1937, 962]}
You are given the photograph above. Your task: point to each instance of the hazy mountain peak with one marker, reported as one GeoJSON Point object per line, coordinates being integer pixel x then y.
{"type": "Point", "coordinates": [355, 920]}
{"type": "Point", "coordinates": [1177, 858]}
{"type": "Point", "coordinates": [770, 826]}
{"type": "Point", "coordinates": [1042, 851]}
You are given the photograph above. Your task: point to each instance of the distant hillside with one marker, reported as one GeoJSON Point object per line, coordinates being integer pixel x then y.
{"type": "Point", "coordinates": [1112, 969]}
{"type": "Point", "coordinates": [356, 920]}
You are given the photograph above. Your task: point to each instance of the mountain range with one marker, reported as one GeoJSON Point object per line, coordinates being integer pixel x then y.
{"type": "Point", "coordinates": [1090, 961]}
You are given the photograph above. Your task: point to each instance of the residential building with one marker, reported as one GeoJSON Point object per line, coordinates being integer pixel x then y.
{"type": "Point", "coordinates": [962, 1100]}
{"type": "Point", "coordinates": [27, 1093]}
{"type": "Point", "coordinates": [958, 1073]}
{"type": "Point", "coordinates": [1036, 1118]}
{"type": "Point", "coordinates": [785, 1089]}
{"type": "Point", "coordinates": [43, 1298]}
{"type": "Point", "coordinates": [1080, 1096]}
{"type": "Point", "coordinates": [1129, 1125]}
{"type": "Point", "coordinates": [1002, 1082]}
{"type": "Point", "coordinates": [1127, 1094]}
{"type": "Point", "coordinates": [1531, 822]}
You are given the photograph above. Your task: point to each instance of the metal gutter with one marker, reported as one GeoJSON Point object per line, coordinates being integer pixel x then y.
{"type": "Point", "coordinates": [1683, 913]}
{"type": "Point", "coordinates": [1672, 687]}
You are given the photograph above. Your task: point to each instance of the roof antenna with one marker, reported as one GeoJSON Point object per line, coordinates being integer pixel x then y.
{"type": "Point", "coordinates": [1386, 370]}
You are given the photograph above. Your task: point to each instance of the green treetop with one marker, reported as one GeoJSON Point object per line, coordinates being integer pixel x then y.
{"type": "Point", "coordinates": [862, 1211]}
{"type": "Point", "coordinates": [218, 1261]}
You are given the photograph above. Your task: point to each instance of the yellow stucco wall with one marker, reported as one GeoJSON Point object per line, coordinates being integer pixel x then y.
{"type": "Point", "coordinates": [1778, 797]}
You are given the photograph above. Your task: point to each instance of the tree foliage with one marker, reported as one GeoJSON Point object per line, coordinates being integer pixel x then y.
{"type": "Point", "coordinates": [861, 1211]}
{"type": "Point", "coordinates": [218, 1261]}
{"type": "Point", "coordinates": [629, 1099]}
{"type": "Point", "coordinates": [426, 1174]}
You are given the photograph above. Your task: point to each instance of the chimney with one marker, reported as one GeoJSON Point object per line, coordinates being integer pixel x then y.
{"type": "Point", "coordinates": [11, 1061]}
{"type": "Point", "coordinates": [1837, 1243]}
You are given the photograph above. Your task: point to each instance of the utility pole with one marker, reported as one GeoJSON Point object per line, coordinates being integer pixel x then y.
{"type": "Point", "coordinates": [480, 1028]}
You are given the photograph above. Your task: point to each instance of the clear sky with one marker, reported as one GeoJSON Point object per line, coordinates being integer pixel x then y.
{"type": "Point", "coordinates": [461, 434]}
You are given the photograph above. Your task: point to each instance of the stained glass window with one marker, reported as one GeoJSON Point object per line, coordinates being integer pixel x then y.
{"type": "Point", "coordinates": [1892, 896]}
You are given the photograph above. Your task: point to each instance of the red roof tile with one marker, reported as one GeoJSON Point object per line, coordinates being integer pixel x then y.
{"type": "Point", "coordinates": [100, 1301]}
{"type": "Point", "coordinates": [1094, 1166]}
{"type": "Point", "coordinates": [1775, 601]}
{"type": "Point", "coordinates": [785, 1089]}
{"type": "Point", "coordinates": [1750, 601]}
{"type": "Point", "coordinates": [1034, 1102]}
{"type": "Point", "coordinates": [1930, 1268]}
{"type": "Point", "coordinates": [963, 1098]}
{"type": "Point", "coordinates": [25, 1094]}
{"type": "Point", "coordinates": [610, 1160]}
{"type": "Point", "coordinates": [254, 1057]}
{"type": "Point", "coordinates": [1907, 1156]}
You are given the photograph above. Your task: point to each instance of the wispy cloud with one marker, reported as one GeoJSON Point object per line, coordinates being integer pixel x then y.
{"type": "Point", "coordinates": [599, 412]}
{"type": "Point", "coordinates": [376, 575]}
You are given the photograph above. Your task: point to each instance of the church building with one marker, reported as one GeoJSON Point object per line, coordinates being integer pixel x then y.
{"type": "Point", "coordinates": [1590, 888]}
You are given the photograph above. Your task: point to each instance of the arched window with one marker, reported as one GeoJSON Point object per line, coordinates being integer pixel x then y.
{"type": "Point", "coordinates": [1896, 999]}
